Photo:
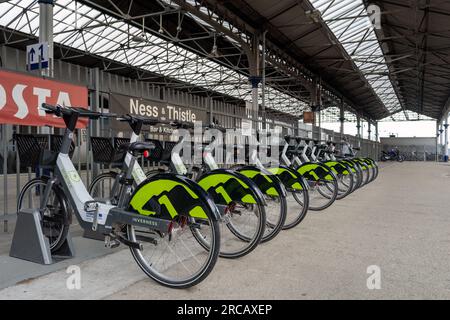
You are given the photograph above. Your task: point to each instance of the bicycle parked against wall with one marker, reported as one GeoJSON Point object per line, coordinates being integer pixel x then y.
{"type": "Point", "coordinates": [160, 220]}
{"type": "Point", "coordinates": [392, 155]}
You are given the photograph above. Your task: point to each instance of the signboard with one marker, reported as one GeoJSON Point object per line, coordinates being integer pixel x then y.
{"type": "Point", "coordinates": [308, 117]}
{"type": "Point", "coordinates": [154, 109]}
{"type": "Point", "coordinates": [37, 56]}
{"type": "Point", "coordinates": [22, 95]}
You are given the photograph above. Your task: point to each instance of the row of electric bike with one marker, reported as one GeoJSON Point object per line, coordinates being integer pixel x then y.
{"type": "Point", "coordinates": [179, 218]}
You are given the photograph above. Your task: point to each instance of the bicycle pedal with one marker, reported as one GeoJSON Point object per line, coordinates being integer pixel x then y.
{"type": "Point", "coordinates": [111, 243]}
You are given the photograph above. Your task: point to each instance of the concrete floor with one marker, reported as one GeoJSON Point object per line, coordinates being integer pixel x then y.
{"type": "Point", "coordinates": [399, 223]}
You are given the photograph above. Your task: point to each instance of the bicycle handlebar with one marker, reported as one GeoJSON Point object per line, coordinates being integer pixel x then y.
{"type": "Point", "coordinates": [61, 111]}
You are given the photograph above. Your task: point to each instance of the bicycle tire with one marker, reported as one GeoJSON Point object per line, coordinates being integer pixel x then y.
{"type": "Point", "coordinates": [64, 211]}
{"type": "Point", "coordinates": [107, 175]}
{"type": "Point", "coordinates": [305, 205]}
{"type": "Point", "coordinates": [187, 283]}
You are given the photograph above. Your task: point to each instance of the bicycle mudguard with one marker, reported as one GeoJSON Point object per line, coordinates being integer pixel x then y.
{"type": "Point", "coordinates": [167, 195]}
{"type": "Point", "coordinates": [337, 167]}
{"type": "Point", "coordinates": [226, 186]}
{"type": "Point", "coordinates": [372, 163]}
{"type": "Point", "coordinates": [316, 172]}
{"type": "Point", "coordinates": [266, 181]}
{"type": "Point", "coordinates": [362, 161]}
{"type": "Point", "coordinates": [350, 163]}
{"type": "Point", "coordinates": [289, 177]}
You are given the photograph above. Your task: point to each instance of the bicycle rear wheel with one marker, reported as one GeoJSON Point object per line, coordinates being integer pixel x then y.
{"type": "Point", "coordinates": [322, 194]}
{"type": "Point", "coordinates": [176, 259]}
{"type": "Point", "coordinates": [297, 204]}
{"type": "Point", "coordinates": [276, 212]}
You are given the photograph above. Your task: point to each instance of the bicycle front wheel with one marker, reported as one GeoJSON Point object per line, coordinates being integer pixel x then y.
{"type": "Point", "coordinates": [176, 259]}
{"type": "Point", "coordinates": [104, 188]}
{"type": "Point", "coordinates": [55, 215]}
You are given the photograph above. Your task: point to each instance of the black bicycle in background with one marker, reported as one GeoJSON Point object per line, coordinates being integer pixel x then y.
{"type": "Point", "coordinates": [392, 155]}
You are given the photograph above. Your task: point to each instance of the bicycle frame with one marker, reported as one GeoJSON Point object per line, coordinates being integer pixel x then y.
{"type": "Point", "coordinates": [91, 214]}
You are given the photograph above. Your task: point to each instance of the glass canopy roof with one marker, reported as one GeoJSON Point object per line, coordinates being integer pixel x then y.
{"type": "Point", "coordinates": [84, 28]}
{"type": "Point", "coordinates": [351, 24]}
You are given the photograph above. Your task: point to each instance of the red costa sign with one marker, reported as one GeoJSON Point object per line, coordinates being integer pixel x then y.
{"type": "Point", "coordinates": [21, 97]}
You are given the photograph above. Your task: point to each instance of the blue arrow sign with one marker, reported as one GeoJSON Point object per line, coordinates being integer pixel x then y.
{"type": "Point", "coordinates": [31, 55]}
{"type": "Point", "coordinates": [37, 56]}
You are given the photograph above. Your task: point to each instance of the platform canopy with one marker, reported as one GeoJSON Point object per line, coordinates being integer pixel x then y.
{"type": "Point", "coordinates": [416, 46]}
{"type": "Point", "coordinates": [318, 52]}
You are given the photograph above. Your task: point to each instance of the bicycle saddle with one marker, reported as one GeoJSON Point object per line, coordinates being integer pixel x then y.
{"type": "Point", "coordinates": [137, 147]}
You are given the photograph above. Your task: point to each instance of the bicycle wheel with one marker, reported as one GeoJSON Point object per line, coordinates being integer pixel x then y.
{"type": "Point", "coordinates": [297, 204]}
{"type": "Point", "coordinates": [104, 188]}
{"type": "Point", "coordinates": [365, 174]}
{"type": "Point", "coordinates": [322, 194]}
{"type": "Point", "coordinates": [276, 211]}
{"type": "Point", "coordinates": [55, 215]}
{"type": "Point", "coordinates": [345, 185]}
{"type": "Point", "coordinates": [176, 259]}
{"type": "Point", "coordinates": [276, 207]}
{"type": "Point", "coordinates": [242, 228]}
{"type": "Point", "coordinates": [344, 178]}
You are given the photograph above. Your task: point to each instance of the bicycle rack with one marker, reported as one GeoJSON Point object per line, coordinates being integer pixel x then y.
{"type": "Point", "coordinates": [29, 242]}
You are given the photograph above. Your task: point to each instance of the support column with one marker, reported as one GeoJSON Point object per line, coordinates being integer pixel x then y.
{"type": "Point", "coordinates": [437, 140]}
{"type": "Point", "coordinates": [376, 131]}
{"type": "Point", "coordinates": [341, 119]}
{"type": "Point", "coordinates": [446, 138]}
{"type": "Point", "coordinates": [46, 31]}
{"type": "Point", "coordinates": [358, 128]}
{"type": "Point", "coordinates": [46, 35]}
{"type": "Point", "coordinates": [315, 108]}
{"type": "Point", "coordinates": [319, 117]}
{"type": "Point", "coordinates": [263, 82]}
{"type": "Point", "coordinates": [95, 106]}
{"type": "Point", "coordinates": [368, 130]}
{"type": "Point", "coordinates": [254, 62]}
{"type": "Point", "coordinates": [255, 80]}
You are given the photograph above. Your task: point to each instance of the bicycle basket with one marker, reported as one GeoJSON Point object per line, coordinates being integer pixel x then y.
{"type": "Point", "coordinates": [106, 150]}
{"type": "Point", "coordinates": [29, 148]}
{"type": "Point", "coordinates": [119, 155]}
{"type": "Point", "coordinates": [102, 150]}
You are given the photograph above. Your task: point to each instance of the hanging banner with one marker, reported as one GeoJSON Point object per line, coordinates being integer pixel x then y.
{"type": "Point", "coordinates": [122, 104]}
{"type": "Point", "coordinates": [22, 95]}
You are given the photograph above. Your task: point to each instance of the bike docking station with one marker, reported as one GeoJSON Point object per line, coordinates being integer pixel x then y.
{"type": "Point", "coordinates": [29, 242]}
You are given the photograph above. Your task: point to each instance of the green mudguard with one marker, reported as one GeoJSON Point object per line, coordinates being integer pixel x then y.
{"type": "Point", "coordinates": [167, 195]}
{"type": "Point", "coordinates": [226, 186]}
{"type": "Point", "coordinates": [315, 172]}
{"type": "Point", "coordinates": [290, 178]}
{"type": "Point", "coordinates": [266, 181]}
{"type": "Point", "coordinates": [337, 167]}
